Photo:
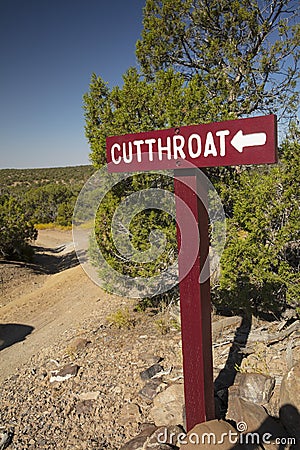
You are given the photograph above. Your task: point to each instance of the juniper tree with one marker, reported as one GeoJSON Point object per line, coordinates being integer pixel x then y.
{"type": "Point", "coordinates": [245, 52]}
{"type": "Point", "coordinates": [203, 61]}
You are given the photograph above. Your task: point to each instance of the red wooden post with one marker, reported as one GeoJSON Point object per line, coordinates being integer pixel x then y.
{"type": "Point", "coordinates": [230, 143]}
{"type": "Point", "coordinates": [195, 302]}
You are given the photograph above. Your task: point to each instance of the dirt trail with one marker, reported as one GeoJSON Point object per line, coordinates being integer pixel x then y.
{"type": "Point", "coordinates": [55, 296]}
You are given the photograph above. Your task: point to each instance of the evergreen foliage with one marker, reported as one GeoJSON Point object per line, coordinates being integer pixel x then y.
{"type": "Point", "coordinates": [46, 195]}
{"type": "Point", "coordinates": [260, 264]}
{"type": "Point", "coordinates": [16, 231]}
{"type": "Point", "coordinates": [204, 62]}
{"type": "Point", "coordinates": [20, 180]}
{"type": "Point", "coordinates": [244, 53]}
{"type": "Point", "coordinates": [52, 203]}
{"type": "Point", "coordinates": [35, 196]}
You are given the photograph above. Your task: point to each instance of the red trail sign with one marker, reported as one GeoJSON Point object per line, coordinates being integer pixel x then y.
{"type": "Point", "coordinates": [229, 143]}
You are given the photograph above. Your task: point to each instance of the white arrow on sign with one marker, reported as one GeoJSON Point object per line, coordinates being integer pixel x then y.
{"type": "Point", "coordinates": [240, 140]}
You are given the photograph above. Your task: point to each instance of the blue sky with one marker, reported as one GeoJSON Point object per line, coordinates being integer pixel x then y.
{"type": "Point", "coordinates": [48, 51]}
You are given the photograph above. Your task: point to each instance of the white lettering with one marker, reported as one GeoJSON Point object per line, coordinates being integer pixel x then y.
{"type": "Point", "coordinates": [222, 134]}
{"type": "Point", "coordinates": [161, 149]}
{"type": "Point", "coordinates": [233, 437]}
{"type": "Point", "coordinates": [162, 438]}
{"type": "Point", "coordinates": [211, 438]}
{"type": "Point", "coordinates": [191, 438]}
{"type": "Point", "coordinates": [285, 441]}
{"type": "Point", "coordinates": [266, 438]}
{"type": "Point", "coordinates": [181, 439]}
{"type": "Point", "coordinates": [210, 148]}
{"type": "Point", "coordinates": [172, 437]}
{"type": "Point", "coordinates": [254, 437]}
{"type": "Point", "coordinates": [127, 159]}
{"type": "Point", "coordinates": [197, 138]}
{"type": "Point", "coordinates": [113, 156]}
{"type": "Point", "coordinates": [171, 147]}
{"type": "Point", "coordinates": [178, 147]}
{"type": "Point", "coordinates": [222, 438]}
{"type": "Point", "coordinates": [138, 149]}
{"type": "Point", "coordinates": [150, 143]}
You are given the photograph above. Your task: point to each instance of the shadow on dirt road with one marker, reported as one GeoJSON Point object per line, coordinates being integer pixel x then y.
{"type": "Point", "coordinates": [11, 333]}
{"type": "Point", "coordinates": [54, 260]}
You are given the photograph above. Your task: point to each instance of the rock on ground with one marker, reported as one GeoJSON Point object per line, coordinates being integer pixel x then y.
{"type": "Point", "coordinates": [290, 401]}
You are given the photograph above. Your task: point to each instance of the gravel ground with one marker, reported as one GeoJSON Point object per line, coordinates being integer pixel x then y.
{"type": "Point", "coordinates": [101, 407]}
{"type": "Point", "coordinates": [58, 416]}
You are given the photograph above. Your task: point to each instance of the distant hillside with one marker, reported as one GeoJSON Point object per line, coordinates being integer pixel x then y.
{"type": "Point", "coordinates": [18, 179]}
{"type": "Point", "coordinates": [30, 197]}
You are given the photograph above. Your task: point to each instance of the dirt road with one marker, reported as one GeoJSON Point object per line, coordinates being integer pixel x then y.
{"type": "Point", "coordinates": [42, 301]}
{"type": "Point", "coordinates": [53, 316]}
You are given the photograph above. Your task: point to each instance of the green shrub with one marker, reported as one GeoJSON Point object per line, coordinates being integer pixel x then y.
{"type": "Point", "coordinates": [121, 319]}
{"type": "Point", "coordinates": [260, 264]}
{"type": "Point", "coordinates": [15, 230]}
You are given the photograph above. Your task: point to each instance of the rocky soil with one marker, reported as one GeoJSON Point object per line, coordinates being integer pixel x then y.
{"type": "Point", "coordinates": [76, 375]}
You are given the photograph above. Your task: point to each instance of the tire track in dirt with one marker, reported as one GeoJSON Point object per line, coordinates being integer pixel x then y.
{"type": "Point", "coordinates": [65, 300]}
